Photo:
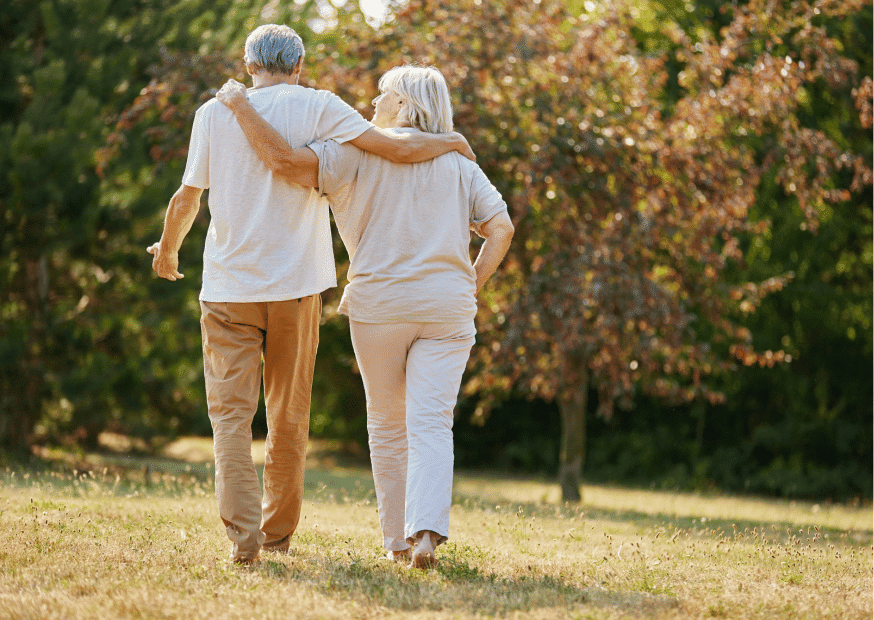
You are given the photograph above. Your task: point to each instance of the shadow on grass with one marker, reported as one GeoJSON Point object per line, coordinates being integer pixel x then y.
{"type": "Point", "coordinates": [124, 474]}
{"type": "Point", "coordinates": [457, 583]}
{"type": "Point", "coordinates": [779, 530]}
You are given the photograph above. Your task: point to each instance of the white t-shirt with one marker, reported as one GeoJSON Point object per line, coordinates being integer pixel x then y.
{"type": "Point", "coordinates": [407, 230]}
{"type": "Point", "coordinates": [268, 239]}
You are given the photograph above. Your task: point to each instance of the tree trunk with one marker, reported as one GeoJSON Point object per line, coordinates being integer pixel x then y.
{"type": "Point", "coordinates": [572, 404]}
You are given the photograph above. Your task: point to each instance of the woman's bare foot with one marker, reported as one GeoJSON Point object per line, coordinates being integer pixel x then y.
{"type": "Point", "coordinates": [400, 556]}
{"type": "Point", "coordinates": [423, 555]}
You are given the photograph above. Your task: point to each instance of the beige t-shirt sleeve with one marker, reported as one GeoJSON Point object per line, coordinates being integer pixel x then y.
{"type": "Point", "coordinates": [339, 121]}
{"type": "Point", "coordinates": [338, 168]}
{"type": "Point", "coordinates": [486, 201]}
{"type": "Point", "coordinates": [197, 165]}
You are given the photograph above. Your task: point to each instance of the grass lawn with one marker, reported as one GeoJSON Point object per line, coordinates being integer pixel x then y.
{"type": "Point", "coordinates": [140, 538]}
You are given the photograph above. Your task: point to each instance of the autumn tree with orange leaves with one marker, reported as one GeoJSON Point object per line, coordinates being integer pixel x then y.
{"type": "Point", "coordinates": [630, 207]}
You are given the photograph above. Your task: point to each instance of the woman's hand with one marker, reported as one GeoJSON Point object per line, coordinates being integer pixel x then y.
{"type": "Point", "coordinates": [462, 146]}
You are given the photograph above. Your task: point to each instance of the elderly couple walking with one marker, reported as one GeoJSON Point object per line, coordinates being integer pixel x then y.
{"type": "Point", "coordinates": [405, 194]}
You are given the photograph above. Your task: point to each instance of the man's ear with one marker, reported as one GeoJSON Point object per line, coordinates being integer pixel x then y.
{"type": "Point", "coordinates": [297, 68]}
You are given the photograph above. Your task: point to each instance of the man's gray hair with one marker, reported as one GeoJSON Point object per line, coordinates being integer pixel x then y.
{"type": "Point", "coordinates": [274, 49]}
{"type": "Point", "coordinates": [427, 105]}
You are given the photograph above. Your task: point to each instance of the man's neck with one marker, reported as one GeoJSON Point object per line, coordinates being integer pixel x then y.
{"type": "Point", "coordinates": [265, 80]}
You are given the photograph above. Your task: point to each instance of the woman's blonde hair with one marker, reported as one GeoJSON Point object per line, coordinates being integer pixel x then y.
{"type": "Point", "coordinates": [427, 105]}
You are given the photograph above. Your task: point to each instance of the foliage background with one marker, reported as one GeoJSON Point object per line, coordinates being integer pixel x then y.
{"type": "Point", "coordinates": [96, 100]}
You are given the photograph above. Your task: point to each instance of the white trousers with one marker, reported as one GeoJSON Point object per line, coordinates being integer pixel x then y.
{"type": "Point", "coordinates": [411, 374]}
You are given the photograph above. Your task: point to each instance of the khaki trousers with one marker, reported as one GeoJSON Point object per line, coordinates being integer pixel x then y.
{"type": "Point", "coordinates": [411, 374]}
{"type": "Point", "coordinates": [237, 337]}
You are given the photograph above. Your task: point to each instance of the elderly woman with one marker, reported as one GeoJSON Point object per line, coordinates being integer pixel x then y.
{"type": "Point", "coordinates": [411, 296]}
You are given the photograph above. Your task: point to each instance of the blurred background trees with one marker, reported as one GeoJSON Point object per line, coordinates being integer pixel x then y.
{"type": "Point", "coordinates": [691, 189]}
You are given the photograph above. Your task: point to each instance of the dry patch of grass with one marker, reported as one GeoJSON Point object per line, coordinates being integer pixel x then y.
{"type": "Point", "coordinates": [146, 542]}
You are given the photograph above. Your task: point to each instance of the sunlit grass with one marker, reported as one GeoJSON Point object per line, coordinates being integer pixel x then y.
{"type": "Point", "coordinates": [145, 541]}
{"type": "Point", "coordinates": [642, 504]}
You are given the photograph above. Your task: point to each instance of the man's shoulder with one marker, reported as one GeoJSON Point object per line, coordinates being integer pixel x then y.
{"type": "Point", "coordinates": [209, 109]}
{"type": "Point", "coordinates": [208, 106]}
{"type": "Point", "coordinates": [297, 92]}
{"type": "Point", "coordinates": [321, 94]}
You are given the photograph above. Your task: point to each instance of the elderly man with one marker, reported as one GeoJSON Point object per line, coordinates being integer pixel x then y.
{"type": "Point", "coordinates": [268, 256]}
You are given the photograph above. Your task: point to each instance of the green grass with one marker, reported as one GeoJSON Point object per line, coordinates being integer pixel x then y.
{"type": "Point", "coordinates": [133, 538]}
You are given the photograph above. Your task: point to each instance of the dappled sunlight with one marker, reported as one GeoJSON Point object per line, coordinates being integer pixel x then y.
{"type": "Point", "coordinates": [320, 452]}
{"type": "Point", "coordinates": [200, 450]}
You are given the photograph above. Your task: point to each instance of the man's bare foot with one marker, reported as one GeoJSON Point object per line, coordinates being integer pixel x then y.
{"type": "Point", "coordinates": [423, 555]}
{"type": "Point", "coordinates": [280, 546]}
{"type": "Point", "coordinates": [247, 561]}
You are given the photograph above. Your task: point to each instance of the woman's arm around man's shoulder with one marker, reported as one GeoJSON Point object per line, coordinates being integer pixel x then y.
{"type": "Point", "coordinates": [301, 165]}
{"type": "Point", "coordinates": [410, 147]}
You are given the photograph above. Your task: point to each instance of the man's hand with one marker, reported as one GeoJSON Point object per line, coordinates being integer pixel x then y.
{"type": "Point", "coordinates": [232, 94]}
{"type": "Point", "coordinates": [165, 264]}
{"type": "Point", "coordinates": [462, 146]}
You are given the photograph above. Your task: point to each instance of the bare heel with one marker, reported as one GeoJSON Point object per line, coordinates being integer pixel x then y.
{"type": "Point", "coordinates": [423, 554]}
{"type": "Point", "coordinates": [399, 556]}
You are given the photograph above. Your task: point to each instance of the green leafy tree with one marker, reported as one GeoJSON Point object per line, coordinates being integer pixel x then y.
{"type": "Point", "coordinates": [88, 340]}
{"type": "Point", "coordinates": [802, 429]}
{"type": "Point", "coordinates": [151, 137]}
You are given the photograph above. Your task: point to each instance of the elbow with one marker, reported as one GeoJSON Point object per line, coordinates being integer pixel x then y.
{"type": "Point", "coordinates": [286, 172]}
{"type": "Point", "coordinates": [276, 165]}
{"type": "Point", "coordinates": [284, 167]}
{"type": "Point", "coordinates": [499, 229]}
{"type": "Point", "coordinates": [505, 236]}
{"type": "Point", "coordinates": [508, 236]}
{"type": "Point", "coordinates": [278, 160]}
{"type": "Point", "coordinates": [506, 230]}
